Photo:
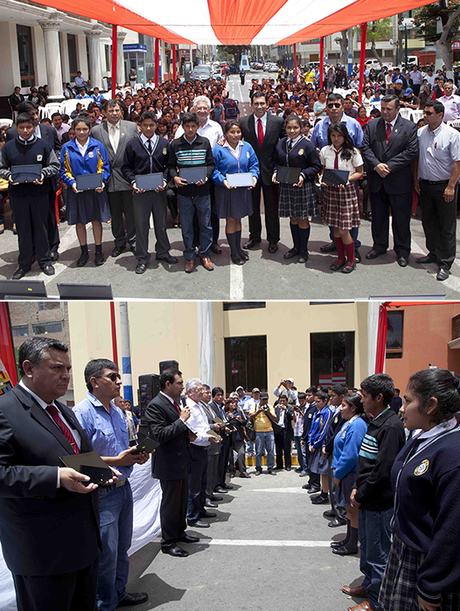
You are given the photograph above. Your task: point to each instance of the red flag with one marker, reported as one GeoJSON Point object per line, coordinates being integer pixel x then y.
{"type": "Point", "coordinates": [8, 375]}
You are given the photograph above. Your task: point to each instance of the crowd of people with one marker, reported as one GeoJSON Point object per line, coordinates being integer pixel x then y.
{"type": "Point", "coordinates": [338, 153]}
{"type": "Point", "coordinates": [387, 468]}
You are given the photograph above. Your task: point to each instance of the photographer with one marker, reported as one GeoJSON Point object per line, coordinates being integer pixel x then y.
{"type": "Point", "coordinates": [263, 415]}
{"type": "Point", "coordinates": [285, 434]}
{"type": "Point", "coordinates": [285, 388]}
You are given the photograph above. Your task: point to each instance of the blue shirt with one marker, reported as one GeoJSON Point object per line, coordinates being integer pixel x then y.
{"type": "Point", "coordinates": [106, 431]}
{"type": "Point", "coordinates": [319, 135]}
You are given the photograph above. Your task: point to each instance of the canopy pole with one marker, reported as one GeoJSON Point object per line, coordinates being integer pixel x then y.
{"type": "Point", "coordinates": [114, 59]}
{"type": "Point", "coordinates": [174, 62]}
{"type": "Point", "coordinates": [157, 61]}
{"type": "Point", "coordinates": [321, 61]}
{"type": "Point", "coordinates": [362, 59]}
{"type": "Point", "coordinates": [295, 63]}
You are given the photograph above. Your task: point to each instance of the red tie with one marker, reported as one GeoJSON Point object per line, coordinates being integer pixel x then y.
{"type": "Point", "coordinates": [388, 131]}
{"type": "Point", "coordinates": [336, 160]}
{"type": "Point", "coordinates": [52, 410]}
{"type": "Point", "coordinates": [177, 407]}
{"type": "Point", "coordinates": [260, 132]}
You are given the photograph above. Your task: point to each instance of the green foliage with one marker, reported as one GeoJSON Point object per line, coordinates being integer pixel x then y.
{"type": "Point", "coordinates": [228, 52]}
{"type": "Point", "coordinates": [377, 30]}
{"type": "Point", "coordinates": [425, 19]}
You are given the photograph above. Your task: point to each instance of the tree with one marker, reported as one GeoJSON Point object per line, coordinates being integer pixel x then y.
{"type": "Point", "coordinates": [426, 19]}
{"type": "Point", "coordinates": [343, 42]}
{"type": "Point", "coordinates": [378, 30]}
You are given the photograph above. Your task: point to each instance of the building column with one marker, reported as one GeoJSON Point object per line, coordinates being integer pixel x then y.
{"type": "Point", "coordinates": [50, 29]}
{"type": "Point", "coordinates": [65, 57]}
{"type": "Point", "coordinates": [121, 76]}
{"type": "Point", "coordinates": [95, 72]}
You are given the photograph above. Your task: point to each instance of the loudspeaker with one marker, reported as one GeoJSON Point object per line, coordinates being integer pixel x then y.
{"type": "Point", "coordinates": [165, 365]}
{"type": "Point", "coordinates": [149, 387]}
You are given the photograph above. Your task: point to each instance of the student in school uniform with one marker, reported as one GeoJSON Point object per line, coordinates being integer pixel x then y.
{"type": "Point", "coordinates": [319, 464]}
{"type": "Point", "coordinates": [297, 201]}
{"type": "Point", "coordinates": [148, 154]}
{"type": "Point", "coordinates": [313, 484]}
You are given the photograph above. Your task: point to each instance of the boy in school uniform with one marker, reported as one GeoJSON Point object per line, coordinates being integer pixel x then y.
{"type": "Point", "coordinates": [29, 200]}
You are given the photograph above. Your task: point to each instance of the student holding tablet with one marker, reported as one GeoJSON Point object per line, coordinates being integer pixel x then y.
{"type": "Point", "coordinates": [234, 202]}
{"type": "Point", "coordinates": [84, 155]}
{"type": "Point", "coordinates": [298, 200]}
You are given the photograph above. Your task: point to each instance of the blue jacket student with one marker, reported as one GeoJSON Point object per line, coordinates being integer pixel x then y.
{"type": "Point", "coordinates": [226, 163]}
{"type": "Point", "coordinates": [94, 161]}
{"type": "Point", "coordinates": [319, 427]}
{"type": "Point", "coordinates": [347, 443]}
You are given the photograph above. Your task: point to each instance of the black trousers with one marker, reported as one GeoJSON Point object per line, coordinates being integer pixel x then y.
{"type": "Point", "coordinates": [401, 210]}
{"type": "Point", "coordinates": [197, 482]}
{"type": "Point", "coordinates": [339, 511]}
{"type": "Point", "coordinates": [223, 459]}
{"type": "Point", "coordinates": [173, 510]}
{"type": "Point", "coordinates": [145, 204]}
{"type": "Point", "coordinates": [213, 466]}
{"type": "Point", "coordinates": [122, 202]}
{"type": "Point", "coordinates": [66, 592]}
{"type": "Point", "coordinates": [272, 220]}
{"type": "Point", "coordinates": [283, 446]}
{"type": "Point", "coordinates": [31, 214]}
{"type": "Point", "coordinates": [439, 220]}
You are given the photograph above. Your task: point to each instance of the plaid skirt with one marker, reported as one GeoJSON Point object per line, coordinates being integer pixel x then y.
{"type": "Point", "coordinates": [297, 202]}
{"type": "Point", "coordinates": [340, 207]}
{"type": "Point", "coordinates": [398, 591]}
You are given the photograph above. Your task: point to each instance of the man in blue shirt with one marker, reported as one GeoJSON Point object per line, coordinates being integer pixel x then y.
{"type": "Point", "coordinates": [335, 112]}
{"type": "Point", "coordinates": [105, 425]}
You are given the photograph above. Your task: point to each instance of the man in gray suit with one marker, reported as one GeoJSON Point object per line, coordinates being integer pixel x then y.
{"type": "Point", "coordinates": [114, 134]}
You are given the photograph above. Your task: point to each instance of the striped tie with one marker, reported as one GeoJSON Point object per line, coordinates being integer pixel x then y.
{"type": "Point", "coordinates": [52, 410]}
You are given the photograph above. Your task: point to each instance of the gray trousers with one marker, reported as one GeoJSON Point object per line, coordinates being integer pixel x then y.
{"type": "Point", "coordinates": [143, 205]}
{"type": "Point", "coordinates": [213, 463]}
{"type": "Point", "coordinates": [122, 202]}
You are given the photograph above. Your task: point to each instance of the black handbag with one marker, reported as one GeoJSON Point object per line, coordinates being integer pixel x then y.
{"type": "Point", "coordinates": [250, 431]}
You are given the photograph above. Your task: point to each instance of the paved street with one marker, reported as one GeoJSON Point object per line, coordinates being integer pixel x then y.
{"type": "Point", "coordinates": [268, 549]}
{"type": "Point", "coordinates": [263, 277]}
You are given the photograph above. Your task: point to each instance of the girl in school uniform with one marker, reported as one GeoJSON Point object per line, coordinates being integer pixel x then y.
{"type": "Point", "coordinates": [340, 204]}
{"type": "Point", "coordinates": [297, 201]}
{"type": "Point", "coordinates": [319, 464]}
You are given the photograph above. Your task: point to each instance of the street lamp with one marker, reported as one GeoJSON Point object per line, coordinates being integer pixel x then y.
{"type": "Point", "coordinates": [407, 24]}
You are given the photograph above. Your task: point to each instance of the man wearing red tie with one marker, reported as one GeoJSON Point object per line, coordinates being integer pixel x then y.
{"type": "Point", "coordinates": [389, 147]}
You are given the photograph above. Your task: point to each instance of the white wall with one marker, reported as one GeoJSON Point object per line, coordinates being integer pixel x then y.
{"type": "Point", "coordinates": [11, 77]}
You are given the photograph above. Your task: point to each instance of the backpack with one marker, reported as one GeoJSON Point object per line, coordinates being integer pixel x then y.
{"type": "Point", "coordinates": [231, 108]}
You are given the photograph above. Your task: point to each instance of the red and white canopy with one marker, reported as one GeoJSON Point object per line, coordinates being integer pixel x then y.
{"type": "Point", "coordinates": [236, 22]}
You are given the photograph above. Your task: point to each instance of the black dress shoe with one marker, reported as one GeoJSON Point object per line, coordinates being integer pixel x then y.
{"type": "Point", "coordinates": [54, 255]}
{"type": "Point", "coordinates": [238, 260]}
{"type": "Point", "coordinates": [251, 243]}
{"type": "Point", "coordinates": [116, 252]}
{"type": "Point", "coordinates": [245, 475]}
{"type": "Point", "coordinates": [219, 489]}
{"type": "Point", "coordinates": [373, 254]}
{"type": "Point", "coordinates": [189, 539]}
{"type": "Point", "coordinates": [82, 259]}
{"type": "Point", "coordinates": [331, 247]}
{"type": "Point", "coordinates": [141, 267]}
{"type": "Point", "coordinates": [168, 258]}
{"type": "Point", "coordinates": [271, 472]}
{"type": "Point", "coordinates": [306, 486]}
{"type": "Point", "coordinates": [290, 254]}
{"type": "Point", "coordinates": [216, 249]}
{"type": "Point", "coordinates": [443, 274]}
{"type": "Point", "coordinates": [226, 487]}
{"type": "Point", "coordinates": [344, 550]}
{"type": "Point", "coordinates": [209, 504]}
{"type": "Point", "coordinates": [314, 490]}
{"type": "Point", "coordinates": [338, 543]}
{"type": "Point", "coordinates": [357, 256]}
{"type": "Point", "coordinates": [48, 270]}
{"type": "Point", "coordinates": [207, 514]}
{"type": "Point", "coordinates": [303, 257]}
{"type": "Point", "coordinates": [272, 248]}
{"type": "Point", "coordinates": [198, 524]}
{"type": "Point", "coordinates": [136, 598]}
{"type": "Point", "coordinates": [244, 255]}
{"type": "Point", "coordinates": [288, 468]}
{"type": "Point", "coordinates": [99, 259]}
{"type": "Point", "coordinates": [329, 513]}
{"type": "Point", "coordinates": [214, 498]}
{"type": "Point", "coordinates": [337, 522]}
{"type": "Point", "coordinates": [19, 273]}
{"type": "Point", "coordinates": [175, 550]}
{"type": "Point", "coordinates": [321, 499]}
{"type": "Point", "coordinates": [428, 259]}
{"type": "Point", "coordinates": [132, 248]}
{"type": "Point", "coordinates": [403, 262]}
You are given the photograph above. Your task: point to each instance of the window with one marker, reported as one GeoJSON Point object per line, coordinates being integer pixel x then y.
{"type": "Point", "coordinates": [26, 55]}
{"type": "Point", "coordinates": [246, 362]}
{"type": "Point", "coordinates": [72, 47]}
{"type": "Point", "coordinates": [243, 305]}
{"type": "Point", "coordinates": [394, 347]}
{"type": "Point", "coordinates": [20, 331]}
{"type": "Point", "coordinates": [332, 357]}
{"type": "Point", "coordinates": [47, 327]}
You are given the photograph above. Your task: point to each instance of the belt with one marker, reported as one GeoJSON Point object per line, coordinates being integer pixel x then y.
{"type": "Point", "coordinates": [434, 182]}
{"type": "Point", "coordinates": [120, 482]}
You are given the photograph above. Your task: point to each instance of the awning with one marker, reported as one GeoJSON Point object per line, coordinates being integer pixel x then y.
{"type": "Point", "coordinates": [236, 22]}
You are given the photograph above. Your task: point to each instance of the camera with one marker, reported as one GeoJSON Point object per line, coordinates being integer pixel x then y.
{"type": "Point", "coordinates": [266, 408]}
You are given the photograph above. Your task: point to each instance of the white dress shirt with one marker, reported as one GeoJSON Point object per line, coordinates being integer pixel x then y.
{"type": "Point", "coordinates": [114, 134]}
{"type": "Point", "coordinates": [451, 107]}
{"type": "Point", "coordinates": [439, 150]}
{"type": "Point", "coordinates": [210, 130]}
{"type": "Point", "coordinates": [198, 423]}
{"type": "Point", "coordinates": [264, 124]}
{"type": "Point", "coordinates": [82, 148]}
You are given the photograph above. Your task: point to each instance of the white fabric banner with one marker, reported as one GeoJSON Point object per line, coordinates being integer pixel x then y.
{"type": "Point", "coordinates": [147, 498]}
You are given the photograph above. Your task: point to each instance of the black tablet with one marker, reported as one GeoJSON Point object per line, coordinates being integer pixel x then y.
{"type": "Point", "coordinates": [288, 175]}
{"type": "Point", "coordinates": [193, 175]}
{"type": "Point", "coordinates": [26, 173]}
{"type": "Point", "coordinates": [335, 178]}
{"type": "Point", "coordinates": [90, 464]}
{"type": "Point", "coordinates": [89, 182]}
{"type": "Point", "coordinates": [147, 445]}
{"type": "Point", "coordinates": [149, 182]}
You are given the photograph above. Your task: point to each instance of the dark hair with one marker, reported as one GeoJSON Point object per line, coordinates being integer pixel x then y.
{"type": "Point", "coordinates": [81, 118]}
{"type": "Point", "coordinates": [379, 383]}
{"type": "Point", "coordinates": [440, 384]}
{"type": "Point", "coordinates": [232, 123]}
{"type": "Point", "coordinates": [148, 115]}
{"type": "Point", "coordinates": [207, 387]}
{"type": "Point", "coordinates": [27, 106]}
{"type": "Point", "coordinates": [24, 117]}
{"type": "Point", "coordinates": [190, 117]}
{"type": "Point", "coordinates": [301, 395]}
{"type": "Point", "coordinates": [347, 146]}
{"type": "Point", "coordinates": [35, 349]}
{"type": "Point", "coordinates": [437, 106]}
{"type": "Point", "coordinates": [168, 376]}
{"type": "Point", "coordinates": [339, 389]}
{"type": "Point", "coordinates": [389, 98]}
{"type": "Point", "coordinates": [216, 390]}
{"type": "Point", "coordinates": [322, 396]}
{"type": "Point", "coordinates": [354, 400]}
{"type": "Point", "coordinates": [259, 94]}
{"type": "Point", "coordinates": [56, 114]}
{"type": "Point", "coordinates": [113, 103]}
{"type": "Point", "coordinates": [293, 117]}
{"type": "Point", "coordinates": [335, 97]}
{"type": "Point", "coordinates": [311, 389]}
{"type": "Point", "coordinates": [95, 368]}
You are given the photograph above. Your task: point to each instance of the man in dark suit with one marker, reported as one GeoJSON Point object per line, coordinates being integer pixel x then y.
{"type": "Point", "coordinates": [263, 131]}
{"type": "Point", "coordinates": [15, 99]}
{"type": "Point", "coordinates": [389, 147]}
{"type": "Point", "coordinates": [49, 521]}
{"type": "Point", "coordinates": [114, 135]}
{"type": "Point", "coordinates": [285, 436]}
{"type": "Point", "coordinates": [50, 135]}
{"type": "Point", "coordinates": [171, 461]}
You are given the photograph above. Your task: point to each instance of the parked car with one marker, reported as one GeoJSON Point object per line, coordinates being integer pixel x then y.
{"type": "Point", "coordinates": [201, 73]}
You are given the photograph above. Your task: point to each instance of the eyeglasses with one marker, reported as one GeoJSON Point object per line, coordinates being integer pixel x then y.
{"type": "Point", "coordinates": [428, 114]}
{"type": "Point", "coordinates": [338, 105]}
{"type": "Point", "coordinates": [111, 376]}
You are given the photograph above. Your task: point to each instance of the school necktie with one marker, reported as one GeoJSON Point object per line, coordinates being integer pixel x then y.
{"type": "Point", "coordinates": [336, 160]}
{"type": "Point", "coordinates": [260, 132]}
{"type": "Point", "coordinates": [149, 146]}
{"type": "Point", "coordinates": [290, 146]}
{"type": "Point", "coordinates": [52, 410]}
{"type": "Point", "coordinates": [388, 131]}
